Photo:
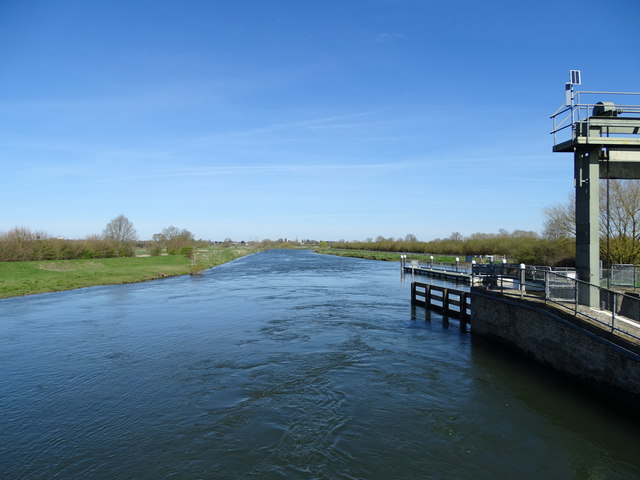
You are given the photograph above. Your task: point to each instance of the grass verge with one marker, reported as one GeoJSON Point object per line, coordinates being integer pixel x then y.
{"type": "Point", "coordinates": [26, 278]}
{"type": "Point", "coordinates": [384, 256]}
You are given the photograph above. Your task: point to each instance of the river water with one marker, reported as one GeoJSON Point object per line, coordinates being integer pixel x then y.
{"type": "Point", "coordinates": [282, 365]}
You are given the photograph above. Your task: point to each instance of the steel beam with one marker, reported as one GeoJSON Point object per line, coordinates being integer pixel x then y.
{"type": "Point", "coordinates": [587, 176]}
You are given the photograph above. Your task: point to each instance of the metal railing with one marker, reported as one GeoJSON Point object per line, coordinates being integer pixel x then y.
{"type": "Point", "coordinates": [510, 275]}
{"type": "Point", "coordinates": [458, 267]}
{"type": "Point", "coordinates": [568, 116]}
{"type": "Point", "coordinates": [617, 311]}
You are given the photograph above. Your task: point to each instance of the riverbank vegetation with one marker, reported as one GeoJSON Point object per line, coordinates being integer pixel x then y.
{"type": "Point", "coordinates": [555, 246]}
{"type": "Point", "coordinates": [518, 247]}
{"type": "Point", "coordinates": [30, 277]}
{"type": "Point", "coordinates": [34, 262]}
{"type": "Point", "coordinates": [379, 255]}
{"type": "Point", "coordinates": [22, 244]}
{"type": "Point", "coordinates": [118, 240]}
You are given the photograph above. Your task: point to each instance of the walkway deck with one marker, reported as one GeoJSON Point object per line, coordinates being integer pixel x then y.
{"type": "Point", "coordinates": [458, 304]}
{"type": "Point", "coordinates": [613, 326]}
{"type": "Point", "coordinates": [461, 277]}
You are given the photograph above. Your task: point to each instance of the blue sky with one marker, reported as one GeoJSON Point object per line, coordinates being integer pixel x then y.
{"type": "Point", "coordinates": [333, 119]}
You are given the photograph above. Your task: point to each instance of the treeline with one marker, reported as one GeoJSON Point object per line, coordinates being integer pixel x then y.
{"type": "Point", "coordinates": [119, 239]}
{"type": "Point", "coordinates": [21, 244]}
{"type": "Point", "coordinates": [172, 240]}
{"type": "Point", "coordinates": [518, 246]}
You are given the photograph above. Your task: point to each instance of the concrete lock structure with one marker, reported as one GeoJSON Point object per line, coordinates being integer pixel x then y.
{"type": "Point", "coordinates": [604, 137]}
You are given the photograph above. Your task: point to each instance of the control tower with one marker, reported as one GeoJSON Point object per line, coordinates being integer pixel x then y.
{"type": "Point", "coordinates": [603, 130]}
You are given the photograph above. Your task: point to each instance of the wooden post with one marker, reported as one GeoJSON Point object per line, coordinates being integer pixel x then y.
{"type": "Point", "coordinates": [445, 307]}
{"type": "Point", "coordinates": [463, 305]}
{"type": "Point", "coordinates": [443, 296]}
{"type": "Point", "coordinates": [427, 296]}
{"type": "Point", "coordinates": [445, 300]}
{"type": "Point", "coordinates": [464, 319]}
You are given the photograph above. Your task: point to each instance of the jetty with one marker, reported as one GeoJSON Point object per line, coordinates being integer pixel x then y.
{"type": "Point", "coordinates": [468, 273]}
{"type": "Point", "coordinates": [453, 272]}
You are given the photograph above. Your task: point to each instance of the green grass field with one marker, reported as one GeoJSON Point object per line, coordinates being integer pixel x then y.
{"type": "Point", "coordinates": [26, 278]}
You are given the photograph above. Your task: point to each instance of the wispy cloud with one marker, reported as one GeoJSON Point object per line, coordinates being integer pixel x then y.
{"type": "Point", "coordinates": [330, 122]}
{"type": "Point", "coordinates": [272, 169]}
{"type": "Point", "coordinates": [389, 37]}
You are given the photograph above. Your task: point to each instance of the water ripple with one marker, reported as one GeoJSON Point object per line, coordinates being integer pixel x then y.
{"type": "Point", "coordinates": [283, 365]}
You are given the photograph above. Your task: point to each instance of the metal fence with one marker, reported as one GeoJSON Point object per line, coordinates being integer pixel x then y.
{"type": "Point", "coordinates": [616, 311]}
{"type": "Point", "coordinates": [459, 267]}
{"type": "Point", "coordinates": [510, 276]}
{"type": "Point", "coordinates": [622, 275]}
{"type": "Point", "coordinates": [560, 286]}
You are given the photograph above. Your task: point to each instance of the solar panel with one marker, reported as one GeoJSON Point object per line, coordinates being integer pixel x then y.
{"type": "Point", "coordinates": [575, 77]}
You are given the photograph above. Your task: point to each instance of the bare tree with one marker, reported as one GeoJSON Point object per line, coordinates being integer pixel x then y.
{"type": "Point", "coordinates": [560, 220]}
{"type": "Point", "coordinates": [619, 221]}
{"type": "Point", "coordinates": [623, 210]}
{"type": "Point", "coordinates": [120, 230]}
{"type": "Point", "coordinates": [410, 237]}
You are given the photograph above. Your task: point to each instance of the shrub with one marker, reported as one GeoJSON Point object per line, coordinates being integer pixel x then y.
{"type": "Point", "coordinates": [155, 250]}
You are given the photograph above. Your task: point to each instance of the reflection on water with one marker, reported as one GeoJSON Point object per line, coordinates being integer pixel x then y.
{"type": "Point", "coordinates": [285, 364]}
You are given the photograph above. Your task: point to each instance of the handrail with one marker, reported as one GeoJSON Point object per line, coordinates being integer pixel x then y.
{"type": "Point", "coordinates": [619, 312]}
{"type": "Point", "coordinates": [593, 92]}
{"type": "Point", "coordinates": [579, 111]}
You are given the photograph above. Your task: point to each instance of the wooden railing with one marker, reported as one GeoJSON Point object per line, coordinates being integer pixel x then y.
{"type": "Point", "coordinates": [447, 301]}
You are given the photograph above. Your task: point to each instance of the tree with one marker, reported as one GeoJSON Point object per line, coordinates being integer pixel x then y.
{"type": "Point", "coordinates": [173, 239]}
{"type": "Point", "coordinates": [619, 221]}
{"type": "Point", "coordinates": [410, 237]}
{"type": "Point", "coordinates": [560, 220]}
{"type": "Point", "coordinates": [121, 232]}
{"type": "Point", "coordinates": [524, 234]}
{"type": "Point", "coordinates": [623, 210]}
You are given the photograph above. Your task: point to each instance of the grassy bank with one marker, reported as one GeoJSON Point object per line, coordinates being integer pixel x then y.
{"type": "Point", "coordinates": [26, 278]}
{"type": "Point", "coordinates": [384, 256]}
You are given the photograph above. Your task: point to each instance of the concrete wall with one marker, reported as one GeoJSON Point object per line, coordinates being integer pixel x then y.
{"type": "Point", "coordinates": [559, 341]}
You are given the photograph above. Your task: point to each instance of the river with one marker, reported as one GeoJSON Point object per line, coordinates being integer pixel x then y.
{"type": "Point", "coordinates": [282, 365]}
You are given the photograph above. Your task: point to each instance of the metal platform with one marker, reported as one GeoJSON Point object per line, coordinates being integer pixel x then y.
{"type": "Point", "coordinates": [604, 137]}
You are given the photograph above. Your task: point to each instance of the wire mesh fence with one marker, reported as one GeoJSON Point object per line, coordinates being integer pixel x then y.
{"type": "Point", "coordinates": [621, 275]}
{"type": "Point", "coordinates": [560, 287]}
